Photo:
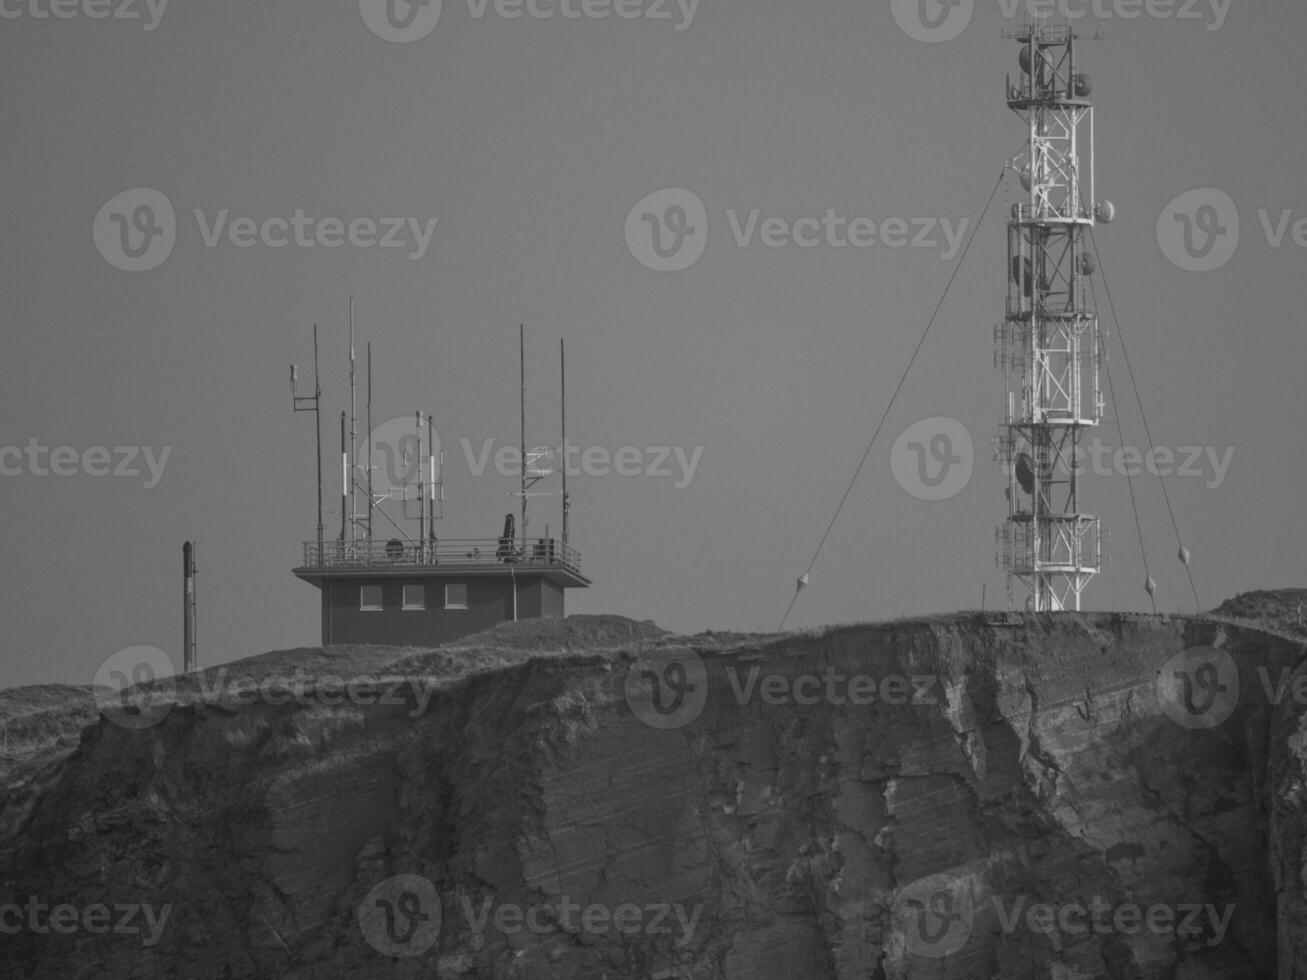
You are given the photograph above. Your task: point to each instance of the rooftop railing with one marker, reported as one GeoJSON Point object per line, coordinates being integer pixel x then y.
{"type": "Point", "coordinates": [477, 552]}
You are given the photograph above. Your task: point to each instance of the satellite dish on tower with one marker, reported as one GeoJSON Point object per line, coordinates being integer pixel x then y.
{"type": "Point", "coordinates": [1025, 471]}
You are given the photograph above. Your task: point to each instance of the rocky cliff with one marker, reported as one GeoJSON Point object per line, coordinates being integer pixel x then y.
{"type": "Point", "coordinates": [975, 797]}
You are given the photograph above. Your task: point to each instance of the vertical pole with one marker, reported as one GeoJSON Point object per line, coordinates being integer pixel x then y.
{"type": "Point", "coordinates": [344, 481]}
{"type": "Point", "coordinates": [369, 456]}
{"type": "Point", "coordinates": [353, 430]}
{"type": "Point", "coordinates": [521, 335]}
{"type": "Point", "coordinates": [422, 500]}
{"type": "Point", "coordinates": [317, 422]}
{"type": "Point", "coordinates": [188, 608]}
{"type": "Point", "coordinates": [431, 456]}
{"type": "Point", "coordinates": [562, 372]}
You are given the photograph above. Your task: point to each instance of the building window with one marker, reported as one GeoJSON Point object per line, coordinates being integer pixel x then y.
{"type": "Point", "coordinates": [370, 598]}
{"type": "Point", "coordinates": [455, 596]}
{"type": "Point", "coordinates": [415, 597]}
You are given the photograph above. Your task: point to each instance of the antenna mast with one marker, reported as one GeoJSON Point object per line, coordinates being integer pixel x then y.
{"type": "Point", "coordinates": [422, 500]}
{"type": "Point", "coordinates": [344, 481]}
{"type": "Point", "coordinates": [562, 373]}
{"type": "Point", "coordinates": [371, 500]}
{"type": "Point", "coordinates": [1049, 344]}
{"type": "Point", "coordinates": [311, 403]}
{"type": "Point", "coordinates": [353, 433]}
{"type": "Point", "coordinates": [435, 487]}
{"type": "Point", "coordinates": [521, 341]}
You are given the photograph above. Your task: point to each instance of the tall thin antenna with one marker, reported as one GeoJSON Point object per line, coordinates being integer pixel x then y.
{"type": "Point", "coordinates": [353, 432]}
{"type": "Point", "coordinates": [422, 501]}
{"type": "Point", "coordinates": [312, 403]}
{"type": "Point", "coordinates": [562, 372]}
{"type": "Point", "coordinates": [369, 456]}
{"type": "Point", "coordinates": [344, 481]}
{"type": "Point", "coordinates": [431, 452]}
{"type": "Point", "coordinates": [521, 336]}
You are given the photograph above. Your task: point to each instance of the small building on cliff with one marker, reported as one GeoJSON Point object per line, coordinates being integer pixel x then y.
{"type": "Point", "coordinates": [413, 587]}
{"type": "Point", "coordinates": [404, 593]}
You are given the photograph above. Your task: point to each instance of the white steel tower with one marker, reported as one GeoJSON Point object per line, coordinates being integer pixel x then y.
{"type": "Point", "coordinates": [1049, 344]}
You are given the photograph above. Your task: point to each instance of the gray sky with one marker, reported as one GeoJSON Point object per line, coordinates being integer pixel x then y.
{"type": "Point", "coordinates": [531, 140]}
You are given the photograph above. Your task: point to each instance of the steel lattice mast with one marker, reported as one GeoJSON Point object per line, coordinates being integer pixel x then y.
{"type": "Point", "coordinates": [1049, 344]}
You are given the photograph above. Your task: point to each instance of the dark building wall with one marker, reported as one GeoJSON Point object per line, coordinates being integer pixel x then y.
{"type": "Point", "coordinates": [489, 601]}
{"type": "Point", "coordinates": [551, 600]}
{"type": "Point", "coordinates": [538, 597]}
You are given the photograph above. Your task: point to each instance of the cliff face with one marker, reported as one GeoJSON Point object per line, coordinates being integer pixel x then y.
{"type": "Point", "coordinates": [1041, 797]}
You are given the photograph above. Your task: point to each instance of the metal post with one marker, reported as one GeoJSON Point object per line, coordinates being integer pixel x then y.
{"type": "Point", "coordinates": [422, 500]}
{"type": "Point", "coordinates": [344, 482]}
{"type": "Point", "coordinates": [189, 664]}
{"type": "Point", "coordinates": [562, 371]}
{"type": "Point", "coordinates": [369, 457]}
{"type": "Point", "coordinates": [312, 403]}
{"type": "Point", "coordinates": [431, 455]}
{"type": "Point", "coordinates": [353, 431]}
{"type": "Point", "coordinates": [522, 361]}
